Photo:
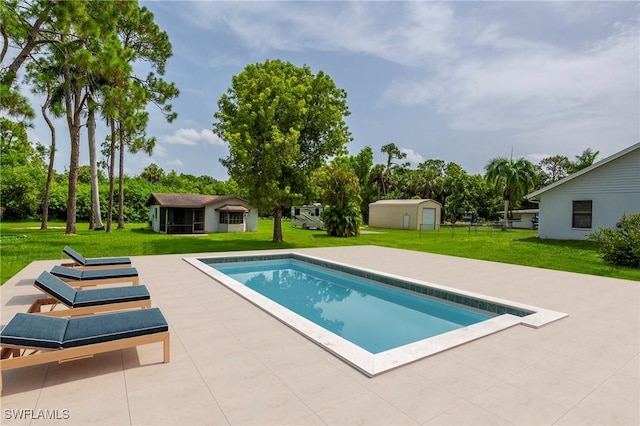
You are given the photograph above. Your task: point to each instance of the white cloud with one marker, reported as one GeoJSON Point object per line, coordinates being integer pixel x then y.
{"type": "Point", "coordinates": [492, 36]}
{"type": "Point", "coordinates": [408, 33]}
{"type": "Point", "coordinates": [176, 162]}
{"type": "Point", "coordinates": [192, 137]}
{"type": "Point", "coordinates": [413, 157]}
{"type": "Point", "coordinates": [532, 88]}
{"type": "Point", "coordinates": [159, 151]}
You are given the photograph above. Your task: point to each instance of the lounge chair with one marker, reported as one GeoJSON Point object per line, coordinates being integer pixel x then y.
{"type": "Point", "coordinates": [30, 339]}
{"type": "Point", "coordinates": [95, 263]}
{"type": "Point", "coordinates": [83, 278]}
{"type": "Point", "coordinates": [87, 301]}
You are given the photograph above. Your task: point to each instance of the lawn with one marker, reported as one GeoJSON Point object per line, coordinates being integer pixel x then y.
{"type": "Point", "coordinates": [21, 243]}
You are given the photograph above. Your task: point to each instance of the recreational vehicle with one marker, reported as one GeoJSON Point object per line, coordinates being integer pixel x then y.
{"type": "Point", "coordinates": [307, 216]}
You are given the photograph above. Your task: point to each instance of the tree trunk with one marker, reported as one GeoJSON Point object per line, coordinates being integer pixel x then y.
{"type": "Point", "coordinates": [50, 170]}
{"type": "Point", "coordinates": [30, 43]}
{"type": "Point", "coordinates": [506, 196]}
{"type": "Point", "coordinates": [277, 224]}
{"type": "Point", "coordinates": [112, 159]}
{"type": "Point", "coordinates": [93, 166]}
{"type": "Point", "coordinates": [506, 218]}
{"type": "Point", "coordinates": [121, 182]}
{"type": "Point", "coordinates": [73, 101]}
{"type": "Point", "coordinates": [91, 210]}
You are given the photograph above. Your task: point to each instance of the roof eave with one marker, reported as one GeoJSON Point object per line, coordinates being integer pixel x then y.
{"type": "Point", "coordinates": [535, 194]}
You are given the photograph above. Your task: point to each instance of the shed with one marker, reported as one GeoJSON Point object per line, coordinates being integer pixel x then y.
{"type": "Point", "coordinates": [405, 214]}
{"type": "Point", "coordinates": [198, 214]}
{"type": "Point", "coordinates": [596, 196]}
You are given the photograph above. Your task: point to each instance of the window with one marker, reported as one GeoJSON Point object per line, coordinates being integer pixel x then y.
{"type": "Point", "coordinates": [581, 214]}
{"type": "Point", "coordinates": [231, 218]}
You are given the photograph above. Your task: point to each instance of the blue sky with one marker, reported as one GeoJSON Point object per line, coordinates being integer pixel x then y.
{"type": "Point", "coordinates": [460, 81]}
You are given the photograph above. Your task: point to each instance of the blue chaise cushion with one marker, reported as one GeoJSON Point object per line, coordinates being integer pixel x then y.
{"type": "Point", "coordinates": [98, 274]}
{"type": "Point", "coordinates": [103, 296]}
{"type": "Point", "coordinates": [108, 261]}
{"type": "Point", "coordinates": [45, 332]}
{"type": "Point", "coordinates": [113, 326]}
{"type": "Point", "coordinates": [74, 255]}
{"type": "Point", "coordinates": [56, 288]}
{"type": "Point", "coordinates": [35, 331]}
{"type": "Point", "coordinates": [100, 261]}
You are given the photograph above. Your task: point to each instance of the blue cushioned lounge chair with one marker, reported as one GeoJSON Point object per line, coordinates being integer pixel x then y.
{"type": "Point", "coordinates": [95, 263]}
{"type": "Point", "coordinates": [30, 339]}
{"type": "Point", "coordinates": [83, 278]}
{"type": "Point", "coordinates": [87, 301]}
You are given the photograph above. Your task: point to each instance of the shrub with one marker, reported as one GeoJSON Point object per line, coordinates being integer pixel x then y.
{"type": "Point", "coordinates": [341, 216]}
{"type": "Point", "coordinates": [620, 245]}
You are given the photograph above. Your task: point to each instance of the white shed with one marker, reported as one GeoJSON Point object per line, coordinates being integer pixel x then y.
{"type": "Point", "coordinates": [595, 196]}
{"type": "Point", "coordinates": [198, 214]}
{"type": "Point", "coordinates": [405, 214]}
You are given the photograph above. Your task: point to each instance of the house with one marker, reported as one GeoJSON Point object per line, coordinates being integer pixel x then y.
{"type": "Point", "coordinates": [198, 214]}
{"type": "Point", "coordinates": [523, 218]}
{"type": "Point", "coordinates": [405, 214]}
{"type": "Point", "coordinates": [596, 196]}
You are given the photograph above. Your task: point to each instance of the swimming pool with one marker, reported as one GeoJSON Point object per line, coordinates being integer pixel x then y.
{"type": "Point", "coordinates": [370, 344]}
{"type": "Point", "coordinates": [373, 316]}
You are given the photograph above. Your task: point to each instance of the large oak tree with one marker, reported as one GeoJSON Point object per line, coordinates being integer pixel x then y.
{"type": "Point", "coordinates": [282, 123]}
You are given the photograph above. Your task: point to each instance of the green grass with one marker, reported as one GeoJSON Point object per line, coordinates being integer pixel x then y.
{"type": "Point", "coordinates": [22, 243]}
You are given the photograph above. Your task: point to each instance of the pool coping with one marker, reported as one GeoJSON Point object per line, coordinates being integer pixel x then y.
{"type": "Point", "coordinates": [364, 361]}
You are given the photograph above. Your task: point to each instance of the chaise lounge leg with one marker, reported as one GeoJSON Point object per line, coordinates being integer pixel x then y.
{"type": "Point", "coordinates": [166, 349]}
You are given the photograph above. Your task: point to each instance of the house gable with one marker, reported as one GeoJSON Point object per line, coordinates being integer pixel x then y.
{"type": "Point", "coordinates": [610, 188]}
{"type": "Point", "coordinates": [629, 158]}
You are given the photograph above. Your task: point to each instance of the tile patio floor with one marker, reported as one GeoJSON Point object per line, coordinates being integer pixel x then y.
{"type": "Point", "coordinates": [231, 363]}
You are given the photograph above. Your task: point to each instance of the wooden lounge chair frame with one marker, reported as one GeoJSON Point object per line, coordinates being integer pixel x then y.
{"type": "Point", "coordinates": [13, 357]}
{"type": "Point", "coordinates": [83, 263]}
{"type": "Point", "coordinates": [17, 357]}
{"type": "Point", "coordinates": [130, 279]}
{"type": "Point", "coordinates": [52, 301]}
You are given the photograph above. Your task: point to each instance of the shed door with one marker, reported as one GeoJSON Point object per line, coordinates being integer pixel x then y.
{"type": "Point", "coordinates": [428, 219]}
{"type": "Point", "coordinates": [405, 221]}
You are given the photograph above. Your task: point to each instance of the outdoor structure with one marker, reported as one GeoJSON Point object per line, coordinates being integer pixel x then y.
{"type": "Point", "coordinates": [405, 214]}
{"type": "Point", "coordinates": [198, 214]}
{"type": "Point", "coordinates": [307, 216]}
{"type": "Point", "coordinates": [523, 219]}
{"type": "Point", "coordinates": [596, 196]}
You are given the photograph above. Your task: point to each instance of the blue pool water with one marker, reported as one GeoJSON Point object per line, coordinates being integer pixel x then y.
{"type": "Point", "coordinates": [375, 317]}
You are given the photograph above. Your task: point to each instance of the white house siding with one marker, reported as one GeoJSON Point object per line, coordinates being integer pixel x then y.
{"type": "Point", "coordinates": [211, 218]}
{"type": "Point", "coordinates": [154, 218]}
{"type": "Point", "coordinates": [524, 218]}
{"type": "Point", "coordinates": [252, 220]}
{"type": "Point", "coordinates": [613, 188]}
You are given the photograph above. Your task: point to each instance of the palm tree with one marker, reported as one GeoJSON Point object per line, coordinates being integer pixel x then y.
{"type": "Point", "coordinates": [515, 178]}
{"type": "Point", "coordinates": [583, 160]}
{"type": "Point", "coordinates": [380, 179]}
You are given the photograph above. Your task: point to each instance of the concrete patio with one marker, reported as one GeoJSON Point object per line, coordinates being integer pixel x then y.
{"type": "Point", "coordinates": [231, 363]}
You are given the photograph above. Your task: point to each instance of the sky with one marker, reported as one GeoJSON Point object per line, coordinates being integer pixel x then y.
{"type": "Point", "coordinates": [464, 81]}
